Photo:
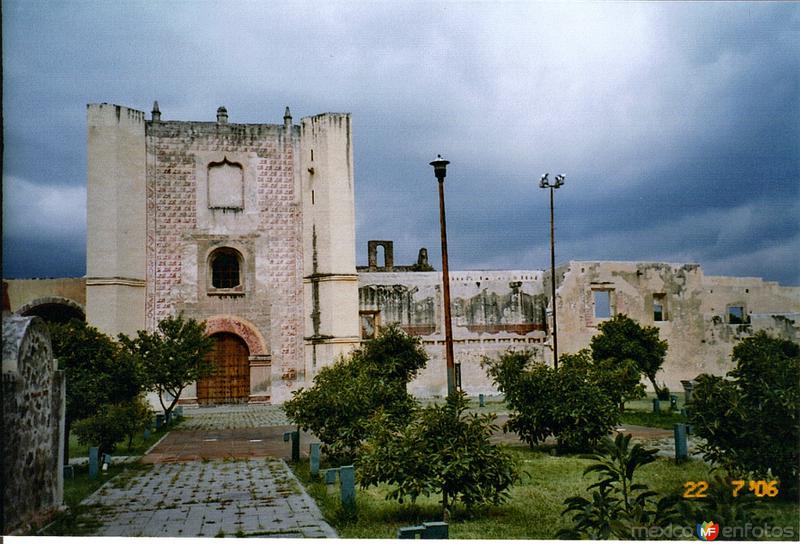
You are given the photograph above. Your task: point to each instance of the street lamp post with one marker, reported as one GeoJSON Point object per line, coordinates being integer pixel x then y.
{"type": "Point", "coordinates": [440, 171]}
{"type": "Point", "coordinates": [544, 183]}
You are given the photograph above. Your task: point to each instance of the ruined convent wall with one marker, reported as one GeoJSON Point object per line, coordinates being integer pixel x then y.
{"type": "Point", "coordinates": [695, 308]}
{"type": "Point", "coordinates": [33, 408]}
{"type": "Point", "coordinates": [492, 311]}
{"type": "Point", "coordinates": [30, 292]}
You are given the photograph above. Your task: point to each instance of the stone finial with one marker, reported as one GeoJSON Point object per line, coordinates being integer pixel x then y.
{"type": "Point", "coordinates": [222, 115]}
{"type": "Point", "coordinates": [156, 112]}
{"type": "Point", "coordinates": [287, 118]}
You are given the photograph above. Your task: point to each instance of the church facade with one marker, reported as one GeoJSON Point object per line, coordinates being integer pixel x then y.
{"type": "Point", "coordinates": [251, 228]}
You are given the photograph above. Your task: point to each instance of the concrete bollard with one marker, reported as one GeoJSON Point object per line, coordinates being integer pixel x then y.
{"type": "Point", "coordinates": [159, 421]}
{"type": "Point", "coordinates": [435, 530]}
{"type": "Point", "coordinates": [106, 461]}
{"type": "Point", "coordinates": [295, 438]}
{"type": "Point", "coordinates": [481, 400]}
{"type": "Point", "coordinates": [147, 433]}
{"type": "Point", "coordinates": [673, 402]}
{"type": "Point", "coordinates": [179, 412]}
{"type": "Point", "coordinates": [347, 484]}
{"type": "Point", "coordinates": [656, 406]}
{"type": "Point", "coordinates": [94, 452]}
{"type": "Point", "coordinates": [681, 443]}
{"type": "Point", "coordinates": [347, 481]}
{"type": "Point", "coordinates": [314, 459]}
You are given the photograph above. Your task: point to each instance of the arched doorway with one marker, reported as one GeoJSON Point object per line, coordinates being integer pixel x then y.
{"type": "Point", "coordinates": [230, 382]}
{"type": "Point", "coordinates": [53, 310]}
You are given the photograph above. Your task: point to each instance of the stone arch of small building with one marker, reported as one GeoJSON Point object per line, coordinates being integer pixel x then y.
{"type": "Point", "coordinates": [69, 307]}
{"type": "Point", "coordinates": [241, 328]}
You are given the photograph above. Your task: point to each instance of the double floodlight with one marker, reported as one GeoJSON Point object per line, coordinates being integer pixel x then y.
{"type": "Point", "coordinates": [544, 183]}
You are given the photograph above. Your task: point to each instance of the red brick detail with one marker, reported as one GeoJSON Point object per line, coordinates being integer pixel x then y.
{"type": "Point", "coordinates": [241, 328]}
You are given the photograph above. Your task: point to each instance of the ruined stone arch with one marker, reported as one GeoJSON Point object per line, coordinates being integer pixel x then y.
{"type": "Point", "coordinates": [56, 309]}
{"type": "Point", "coordinates": [240, 327]}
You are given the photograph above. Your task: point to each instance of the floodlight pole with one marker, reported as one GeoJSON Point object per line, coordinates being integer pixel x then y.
{"type": "Point", "coordinates": [440, 171]}
{"type": "Point", "coordinates": [544, 183]}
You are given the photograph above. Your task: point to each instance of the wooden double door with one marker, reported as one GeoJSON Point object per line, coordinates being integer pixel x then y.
{"type": "Point", "coordinates": [230, 382]}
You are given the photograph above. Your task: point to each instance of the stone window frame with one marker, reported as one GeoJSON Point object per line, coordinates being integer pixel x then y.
{"type": "Point", "coordinates": [611, 303]}
{"type": "Point", "coordinates": [376, 322]}
{"type": "Point", "coordinates": [743, 320]}
{"type": "Point", "coordinates": [660, 299]}
{"type": "Point", "coordinates": [241, 192]}
{"type": "Point", "coordinates": [238, 290]}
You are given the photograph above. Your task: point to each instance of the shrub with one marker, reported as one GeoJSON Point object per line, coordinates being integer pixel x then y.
{"type": "Point", "coordinates": [98, 372]}
{"type": "Point", "coordinates": [543, 401]}
{"type": "Point", "coordinates": [345, 395]}
{"type": "Point", "coordinates": [112, 423]}
{"type": "Point", "coordinates": [618, 505]}
{"type": "Point", "coordinates": [619, 380]}
{"type": "Point", "coordinates": [440, 449]}
{"type": "Point", "coordinates": [621, 338]}
{"type": "Point", "coordinates": [750, 419]}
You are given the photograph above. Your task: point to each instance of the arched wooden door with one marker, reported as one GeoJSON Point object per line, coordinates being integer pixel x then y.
{"type": "Point", "coordinates": [230, 382]}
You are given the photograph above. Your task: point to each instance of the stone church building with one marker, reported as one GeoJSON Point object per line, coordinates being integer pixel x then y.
{"type": "Point", "coordinates": [251, 228]}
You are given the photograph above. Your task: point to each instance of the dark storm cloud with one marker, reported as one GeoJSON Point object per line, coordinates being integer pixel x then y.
{"type": "Point", "coordinates": [676, 124]}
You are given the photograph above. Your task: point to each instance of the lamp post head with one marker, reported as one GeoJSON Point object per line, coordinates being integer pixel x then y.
{"type": "Point", "coordinates": [439, 167]}
{"type": "Point", "coordinates": [560, 180]}
{"type": "Point", "coordinates": [543, 181]}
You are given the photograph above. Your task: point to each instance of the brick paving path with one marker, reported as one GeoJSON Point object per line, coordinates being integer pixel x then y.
{"type": "Point", "coordinates": [207, 499]}
{"type": "Point", "coordinates": [218, 474]}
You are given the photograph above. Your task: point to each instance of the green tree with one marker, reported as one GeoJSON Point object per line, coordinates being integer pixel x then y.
{"type": "Point", "coordinates": [98, 372]}
{"type": "Point", "coordinates": [622, 339]}
{"type": "Point", "coordinates": [346, 394]}
{"type": "Point", "coordinates": [565, 403]}
{"type": "Point", "coordinates": [172, 357]}
{"type": "Point", "coordinates": [750, 419]}
{"type": "Point", "coordinates": [438, 449]}
{"type": "Point", "coordinates": [620, 381]}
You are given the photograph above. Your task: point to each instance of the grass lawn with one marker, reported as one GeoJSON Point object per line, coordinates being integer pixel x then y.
{"type": "Point", "coordinates": [533, 511]}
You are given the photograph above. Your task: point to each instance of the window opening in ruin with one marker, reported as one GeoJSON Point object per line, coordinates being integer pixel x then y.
{"type": "Point", "coordinates": [659, 307]}
{"type": "Point", "coordinates": [312, 154]}
{"type": "Point", "coordinates": [312, 198]}
{"type": "Point", "coordinates": [602, 304]}
{"type": "Point", "coordinates": [737, 315]}
{"type": "Point", "coordinates": [370, 322]}
{"type": "Point", "coordinates": [381, 256]}
{"type": "Point", "coordinates": [225, 270]}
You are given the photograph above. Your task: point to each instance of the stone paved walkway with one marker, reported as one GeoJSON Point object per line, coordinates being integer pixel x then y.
{"type": "Point", "coordinates": [219, 473]}
{"type": "Point", "coordinates": [207, 499]}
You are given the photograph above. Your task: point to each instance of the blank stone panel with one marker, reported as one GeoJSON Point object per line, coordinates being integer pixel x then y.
{"type": "Point", "coordinates": [225, 185]}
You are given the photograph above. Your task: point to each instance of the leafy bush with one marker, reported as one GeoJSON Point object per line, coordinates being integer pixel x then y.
{"type": "Point", "coordinates": [98, 371]}
{"type": "Point", "coordinates": [112, 423]}
{"type": "Point", "coordinates": [622, 339]}
{"type": "Point", "coordinates": [619, 380]}
{"type": "Point", "coordinates": [750, 419]}
{"type": "Point", "coordinates": [618, 505]}
{"type": "Point", "coordinates": [565, 403]}
{"type": "Point", "coordinates": [439, 450]}
{"type": "Point", "coordinates": [345, 395]}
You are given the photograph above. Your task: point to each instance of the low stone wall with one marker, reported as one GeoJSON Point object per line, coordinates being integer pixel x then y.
{"type": "Point", "coordinates": [33, 425]}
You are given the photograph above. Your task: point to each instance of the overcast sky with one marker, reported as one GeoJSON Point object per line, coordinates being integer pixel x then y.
{"type": "Point", "coordinates": [677, 125]}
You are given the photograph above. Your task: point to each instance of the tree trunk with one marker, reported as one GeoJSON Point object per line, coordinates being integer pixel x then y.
{"type": "Point", "coordinates": [655, 386]}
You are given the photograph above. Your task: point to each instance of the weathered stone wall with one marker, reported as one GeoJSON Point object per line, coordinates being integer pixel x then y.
{"type": "Point", "coordinates": [33, 424]}
{"type": "Point", "coordinates": [27, 291]}
{"type": "Point", "coordinates": [492, 311]}
{"type": "Point", "coordinates": [694, 318]}
{"type": "Point", "coordinates": [185, 225]}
